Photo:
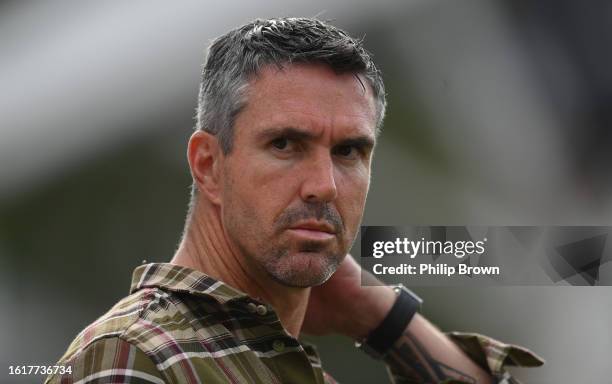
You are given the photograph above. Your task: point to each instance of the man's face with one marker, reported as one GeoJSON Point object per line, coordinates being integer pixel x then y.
{"type": "Point", "coordinates": [295, 183]}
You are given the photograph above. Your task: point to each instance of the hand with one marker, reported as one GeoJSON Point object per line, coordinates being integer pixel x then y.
{"type": "Point", "coordinates": [342, 305]}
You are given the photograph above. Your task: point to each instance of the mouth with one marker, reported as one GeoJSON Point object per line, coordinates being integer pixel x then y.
{"type": "Point", "coordinates": [313, 230]}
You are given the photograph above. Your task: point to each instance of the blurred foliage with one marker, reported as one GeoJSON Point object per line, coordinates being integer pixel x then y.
{"type": "Point", "coordinates": [100, 220]}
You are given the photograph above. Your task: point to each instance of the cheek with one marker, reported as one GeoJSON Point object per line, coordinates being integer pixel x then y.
{"type": "Point", "coordinates": [266, 188]}
{"type": "Point", "coordinates": [352, 193]}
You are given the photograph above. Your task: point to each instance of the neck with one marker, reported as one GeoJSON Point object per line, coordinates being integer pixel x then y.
{"type": "Point", "coordinates": [206, 247]}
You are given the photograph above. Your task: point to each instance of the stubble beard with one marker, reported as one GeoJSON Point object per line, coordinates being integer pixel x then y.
{"type": "Point", "coordinates": [301, 265]}
{"type": "Point", "coordinates": [314, 268]}
{"type": "Point", "coordinates": [308, 264]}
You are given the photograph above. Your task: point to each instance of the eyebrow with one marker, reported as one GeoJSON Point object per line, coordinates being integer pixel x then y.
{"type": "Point", "coordinates": [361, 142]}
{"type": "Point", "coordinates": [288, 132]}
{"type": "Point", "coordinates": [292, 133]}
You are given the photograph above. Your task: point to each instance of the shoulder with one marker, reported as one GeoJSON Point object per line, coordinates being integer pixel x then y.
{"type": "Point", "coordinates": [116, 322]}
{"type": "Point", "coordinates": [105, 360]}
{"type": "Point", "coordinates": [122, 341]}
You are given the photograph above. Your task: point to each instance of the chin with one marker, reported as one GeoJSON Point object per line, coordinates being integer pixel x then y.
{"type": "Point", "coordinates": [304, 269]}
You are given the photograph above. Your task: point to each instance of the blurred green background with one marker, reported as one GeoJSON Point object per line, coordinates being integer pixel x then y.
{"type": "Point", "coordinates": [498, 115]}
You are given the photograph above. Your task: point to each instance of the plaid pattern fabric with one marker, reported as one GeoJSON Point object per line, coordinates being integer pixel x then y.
{"type": "Point", "coordinates": [495, 355]}
{"type": "Point", "coordinates": [181, 326]}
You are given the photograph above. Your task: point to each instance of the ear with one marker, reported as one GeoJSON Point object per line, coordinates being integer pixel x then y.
{"type": "Point", "coordinates": [205, 157]}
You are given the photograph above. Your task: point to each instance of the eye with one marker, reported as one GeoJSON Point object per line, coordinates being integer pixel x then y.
{"type": "Point", "coordinates": [346, 151]}
{"type": "Point", "coordinates": [280, 143]}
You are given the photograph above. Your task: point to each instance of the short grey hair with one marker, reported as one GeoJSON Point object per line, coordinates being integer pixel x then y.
{"type": "Point", "coordinates": [234, 58]}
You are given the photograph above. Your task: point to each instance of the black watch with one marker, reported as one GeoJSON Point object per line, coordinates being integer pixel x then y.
{"type": "Point", "coordinates": [381, 339]}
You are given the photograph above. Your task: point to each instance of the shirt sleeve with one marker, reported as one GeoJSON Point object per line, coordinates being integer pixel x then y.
{"type": "Point", "coordinates": [108, 360]}
{"type": "Point", "coordinates": [492, 355]}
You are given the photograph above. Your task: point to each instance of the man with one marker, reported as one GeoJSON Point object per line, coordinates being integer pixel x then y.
{"type": "Point", "coordinates": [288, 114]}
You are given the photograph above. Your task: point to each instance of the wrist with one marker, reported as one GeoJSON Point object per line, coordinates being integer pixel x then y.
{"type": "Point", "coordinates": [378, 342]}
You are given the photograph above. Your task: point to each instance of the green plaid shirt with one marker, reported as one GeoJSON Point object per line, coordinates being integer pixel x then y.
{"type": "Point", "coordinates": [181, 326]}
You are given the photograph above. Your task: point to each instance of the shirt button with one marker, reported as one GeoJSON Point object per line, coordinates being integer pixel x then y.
{"type": "Point", "coordinates": [261, 310]}
{"type": "Point", "coordinates": [278, 345]}
{"type": "Point", "coordinates": [251, 307]}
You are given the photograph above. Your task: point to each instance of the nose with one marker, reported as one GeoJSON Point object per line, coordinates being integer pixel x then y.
{"type": "Point", "coordinates": [319, 184]}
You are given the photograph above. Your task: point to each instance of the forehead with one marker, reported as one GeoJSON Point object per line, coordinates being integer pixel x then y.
{"type": "Point", "coordinates": [312, 95]}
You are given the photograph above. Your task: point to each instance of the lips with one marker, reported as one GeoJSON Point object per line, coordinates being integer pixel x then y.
{"type": "Point", "coordinates": [319, 226]}
{"type": "Point", "coordinates": [313, 230]}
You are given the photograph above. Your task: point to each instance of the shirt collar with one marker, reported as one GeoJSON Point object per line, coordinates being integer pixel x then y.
{"type": "Point", "coordinates": [182, 279]}
{"type": "Point", "coordinates": [172, 277]}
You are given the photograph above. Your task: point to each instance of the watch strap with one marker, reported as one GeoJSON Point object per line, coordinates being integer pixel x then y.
{"type": "Point", "coordinates": [381, 339]}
